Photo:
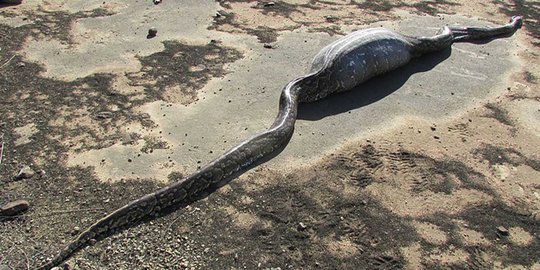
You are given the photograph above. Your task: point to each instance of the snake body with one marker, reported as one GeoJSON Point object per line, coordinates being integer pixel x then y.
{"type": "Point", "coordinates": [340, 66]}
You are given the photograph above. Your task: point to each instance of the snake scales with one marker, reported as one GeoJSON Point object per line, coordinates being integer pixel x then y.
{"type": "Point", "coordinates": [338, 67]}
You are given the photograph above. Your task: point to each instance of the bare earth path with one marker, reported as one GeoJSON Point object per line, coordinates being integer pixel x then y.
{"type": "Point", "coordinates": [442, 171]}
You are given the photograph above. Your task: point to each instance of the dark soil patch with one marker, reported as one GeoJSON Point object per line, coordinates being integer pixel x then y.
{"type": "Point", "coordinates": [263, 34]}
{"type": "Point", "coordinates": [187, 66]}
{"type": "Point", "coordinates": [285, 10]}
{"type": "Point", "coordinates": [54, 24]}
{"type": "Point", "coordinates": [499, 114]}
{"type": "Point", "coordinates": [62, 198]}
{"type": "Point", "coordinates": [529, 77]}
{"type": "Point", "coordinates": [501, 155]}
{"type": "Point", "coordinates": [529, 11]}
{"type": "Point", "coordinates": [295, 230]}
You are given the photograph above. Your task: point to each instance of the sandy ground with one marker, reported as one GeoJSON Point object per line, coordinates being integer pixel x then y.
{"type": "Point", "coordinates": [432, 166]}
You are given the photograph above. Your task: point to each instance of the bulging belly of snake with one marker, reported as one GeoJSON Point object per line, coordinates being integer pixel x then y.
{"type": "Point", "coordinates": [355, 59]}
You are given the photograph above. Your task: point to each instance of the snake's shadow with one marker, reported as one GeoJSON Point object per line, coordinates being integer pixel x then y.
{"type": "Point", "coordinates": [371, 91]}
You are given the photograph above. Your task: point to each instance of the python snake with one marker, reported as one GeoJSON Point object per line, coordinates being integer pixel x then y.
{"type": "Point", "coordinates": [345, 63]}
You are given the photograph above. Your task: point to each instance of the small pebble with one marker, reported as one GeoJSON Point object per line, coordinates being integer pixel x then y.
{"type": "Point", "coordinates": [25, 173]}
{"type": "Point", "coordinates": [157, 2]}
{"type": "Point", "coordinates": [269, 4]}
{"type": "Point", "coordinates": [503, 231]}
{"type": "Point", "coordinates": [14, 208]}
{"type": "Point", "coordinates": [76, 230]}
{"type": "Point", "coordinates": [152, 32]}
{"type": "Point", "coordinates": [268, 46]}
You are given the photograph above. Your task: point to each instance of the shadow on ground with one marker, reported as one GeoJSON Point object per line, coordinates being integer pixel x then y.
{"type": "Point", "coordinates": [371, 91]}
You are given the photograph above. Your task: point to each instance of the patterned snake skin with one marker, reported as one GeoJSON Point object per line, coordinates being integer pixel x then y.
{"type": "Point", "coordinates": [338, 67]}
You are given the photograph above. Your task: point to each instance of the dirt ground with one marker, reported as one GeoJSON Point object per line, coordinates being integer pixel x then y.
{"type": "Point", "coordinates": [457, 193]}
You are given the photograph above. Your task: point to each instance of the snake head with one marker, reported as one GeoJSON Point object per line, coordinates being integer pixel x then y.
{"type": "Point", "coordinates": [517, 21]}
